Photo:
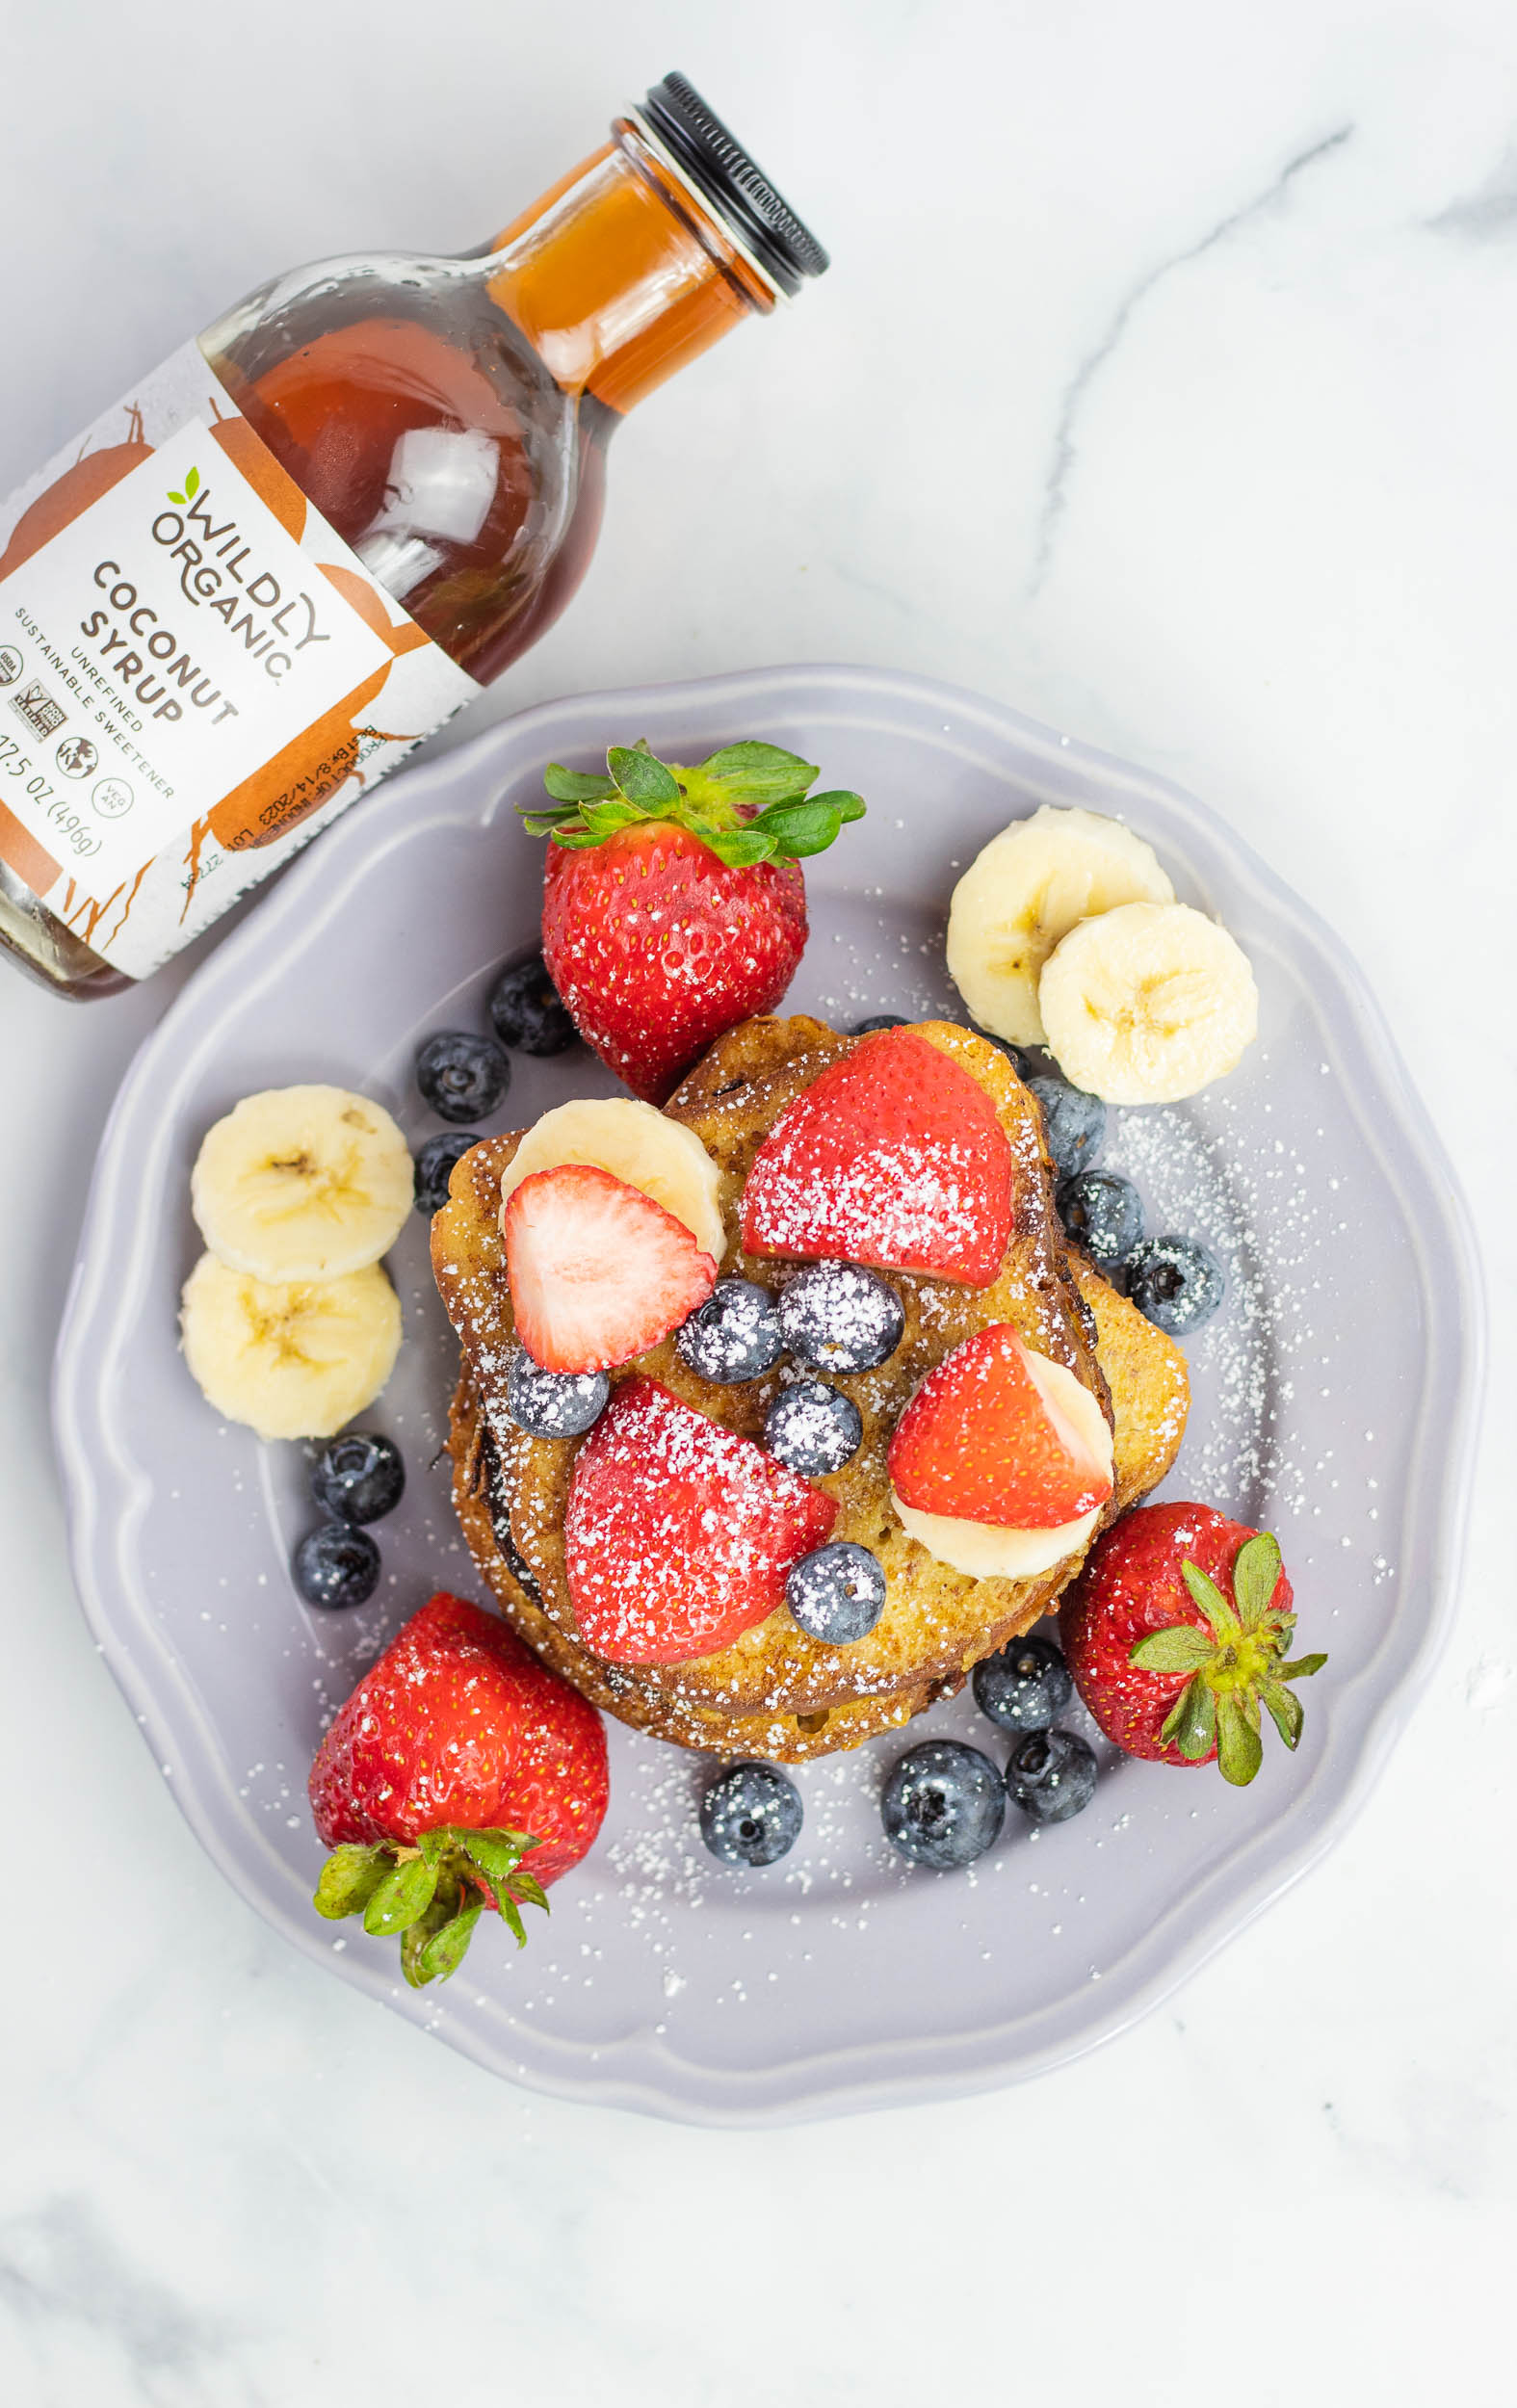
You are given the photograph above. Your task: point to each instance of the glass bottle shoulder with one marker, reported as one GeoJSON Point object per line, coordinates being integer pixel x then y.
{"type": "Point", "coordinates": [416, 417]}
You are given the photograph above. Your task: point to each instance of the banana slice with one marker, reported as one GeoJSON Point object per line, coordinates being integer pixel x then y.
{"type": "Point", "coordinates": [988, 1554]}
{"type": "Point", "coordinates": [1148, 1004]}
{"type": "Point", "coordinates": [302, 1183]}
{"type": "Point", "coordinates": [633, 1142]}
{"type": "Point", "coordinates": [1024, 892]}
{"type": "Point", "coordinates": [293, 1359]}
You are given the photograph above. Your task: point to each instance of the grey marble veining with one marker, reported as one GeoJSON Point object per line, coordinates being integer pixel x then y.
{"type": "Point", "coordinates": [1072, 400]}
{"type": "Point", "coordinates": [1489, 213]}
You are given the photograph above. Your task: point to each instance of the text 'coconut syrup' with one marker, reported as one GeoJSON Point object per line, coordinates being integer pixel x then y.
{"type": "Point", "coordinates": [305, 540]}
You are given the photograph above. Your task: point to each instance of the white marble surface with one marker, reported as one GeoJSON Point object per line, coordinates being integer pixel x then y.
{"type": "Point", "coordinates": [1166, 387]}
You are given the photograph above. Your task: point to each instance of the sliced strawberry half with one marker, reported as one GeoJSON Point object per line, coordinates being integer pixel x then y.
{"type": "Point", "coordinates": [598, 1271]}
{"type": "Point", "coordinates": [895, 1157]}
{"type": "Point", "coordinates": [1000, 1434]}
{"type": "Point", "coordinates": [679, 1533]}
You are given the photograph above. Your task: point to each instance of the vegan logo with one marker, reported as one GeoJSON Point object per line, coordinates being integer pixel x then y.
{"type": "Point", "coordinates": [111, 796]}
{"type": "Point", "coordinates": [191, 487]}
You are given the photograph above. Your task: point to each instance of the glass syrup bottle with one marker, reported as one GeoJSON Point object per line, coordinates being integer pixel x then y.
{"type": "Point", "coordinates": [319, 530]}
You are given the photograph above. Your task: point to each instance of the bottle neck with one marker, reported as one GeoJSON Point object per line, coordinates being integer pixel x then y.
{"type": "Point", "coordinates": [622, 274]}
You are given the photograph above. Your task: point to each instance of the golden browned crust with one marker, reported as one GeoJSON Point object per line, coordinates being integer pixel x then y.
{"type": "Point", "coordinates": [776, 1691]}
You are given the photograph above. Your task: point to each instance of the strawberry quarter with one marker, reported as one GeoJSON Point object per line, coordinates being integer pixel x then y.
{"type": "Point", "coordinates": [894, 1157]}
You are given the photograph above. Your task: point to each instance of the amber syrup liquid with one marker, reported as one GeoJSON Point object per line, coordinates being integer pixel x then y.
{"type": "Point", "coordinates": [449, 417]}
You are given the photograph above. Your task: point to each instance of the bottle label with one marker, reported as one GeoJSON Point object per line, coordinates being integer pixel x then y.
{"type": "Point", "coordinates": [196, 672]}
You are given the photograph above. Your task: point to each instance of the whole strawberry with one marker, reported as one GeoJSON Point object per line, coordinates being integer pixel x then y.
{"type": "Point", "coordinates": [1176, 1634]}
{"type": "Point", "coordinates": [673, 903]}
{"type": "Point", "coordinates": [457, 1753]}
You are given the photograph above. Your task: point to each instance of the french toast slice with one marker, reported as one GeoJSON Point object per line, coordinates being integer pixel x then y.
{"type": "Point", "coordinates": [776, 1690]}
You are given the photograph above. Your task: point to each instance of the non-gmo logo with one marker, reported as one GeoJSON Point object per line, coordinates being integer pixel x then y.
{"type": "Point", "coordinates": [36, 706]}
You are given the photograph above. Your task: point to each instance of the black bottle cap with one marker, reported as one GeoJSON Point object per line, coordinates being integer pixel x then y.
{"type": "Point", "coordinates": [738, 189]}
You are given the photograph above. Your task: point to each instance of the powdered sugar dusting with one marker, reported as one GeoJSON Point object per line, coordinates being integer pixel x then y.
{"type": "Point", "coordinates": [678, 1525]}
{"type": "Point", "coordinates": [1264, 1227]}
{"type": "Point", "coordinates": [894, 1156]}
{"type": "Point", "coordinates": [907, 1205]}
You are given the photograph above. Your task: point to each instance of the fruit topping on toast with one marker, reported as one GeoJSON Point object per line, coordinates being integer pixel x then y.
{"type": "Point", "coordinates": [997, 1433]}
{"type": "Point", "coordinates": [598, 1271]}
{"type": "Point", "coordinates": [821, 1675]}
{"type": "Point", "coordinates": [894, 1157]}
{"type": "Point", "coordinates": [460, 1776]}
{"type": "Point", "coordinates": [679, 1535]}
{"type": "Point", "coordinates": [673, 902]}
{"type": "Point", "coordinates": [634, 1143]}
{"type": "Point", "coordinates": [840, 1318]}
{"type": "Point", "coordinates": [1002, 1461]}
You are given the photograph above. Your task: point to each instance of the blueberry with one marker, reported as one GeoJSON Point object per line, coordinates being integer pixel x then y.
{"type": "Point", "coordinates": [943, 1804]}
{"type": "Point", "coordinates": [1176, 1282]}
{"type": "Point", "coordinates": [1051, 1775]}
{"type": "Point", "coordinates": [336, 1565]}
{"type": "Point", "coordinates": [358, 1477]}
{"type": "Point", "coordinates": [434, 1167]}
{"type": "Point", "coordinates": [839, 1317]}
{"type": "Point", "coordinates": [838, 1594]}
{"type": "Point", "coordinates": [1024, 1685]}
{"type": "Point", "coordinates": [879, 1020]}
{"type": "Point", "coordinates": [734, 1336]}
{"type": "Point", "coordinates": [1102, 1212]}
{"type": "Point", "coordinates": [1074, 1124]}
{"type": "Point", "coordinates": [461, 1077]}
{"type": "Point", "coordinates": [750, 1815]}
{"type": "Point", "coordinates": [812, 1427]}
{"type": "Point", "coordinates": [525, 1010]}
{"type": "Point", "coordinates": [553, 1404]}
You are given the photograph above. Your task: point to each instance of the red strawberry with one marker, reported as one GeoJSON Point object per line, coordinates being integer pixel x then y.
{"type": "Point", "coordinates": [896, 1157]}
{"type": "Point", "coordinates": [1176, 1633]}
{"type": "Point", "coordinates": [457, 1754]}
{"type": "Point", "coordinates": [679, 1533]}
{"type": "Point", "coordinates": [598, 1271]}
{"type": "Point", "coordinates": [995, 1434]}
{"type": "Point", "coordinates": [673, 904]}
{"type": "Point", "coordinates": [657, 948]}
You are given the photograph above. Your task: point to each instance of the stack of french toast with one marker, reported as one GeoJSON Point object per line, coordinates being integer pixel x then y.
{"type": "Point", "coordinates": [776, 1690]}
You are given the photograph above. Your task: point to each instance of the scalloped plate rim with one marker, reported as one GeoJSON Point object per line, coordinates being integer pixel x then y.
{"type": "Point", "coordinates": [872, 2075]}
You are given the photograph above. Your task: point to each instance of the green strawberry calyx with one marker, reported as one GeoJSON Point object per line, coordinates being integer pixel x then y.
{"type": "Point", "coordinates": [431, 1893]}
{"type": "Point", "coordinates": [1236, 1665]}
{"type": "Point", "coordinates": [749, 802]}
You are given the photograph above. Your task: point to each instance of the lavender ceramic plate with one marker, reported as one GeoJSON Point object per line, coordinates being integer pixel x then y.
{"type": "Point", "coordinates": [839, 1979]}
